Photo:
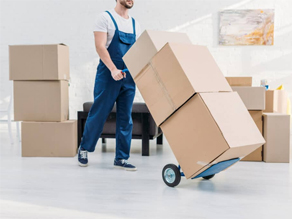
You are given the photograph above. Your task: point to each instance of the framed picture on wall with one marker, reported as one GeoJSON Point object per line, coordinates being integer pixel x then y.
{"type": "Point", "coordinates": [246, 27]}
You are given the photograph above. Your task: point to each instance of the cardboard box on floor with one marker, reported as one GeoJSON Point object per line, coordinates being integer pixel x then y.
{"type": "Point", "coordinates": [253, 97]}
{"type": "Point", "coordinates": [147, 45]}
{"type": "Point", "coordinates": [176, 73]}
{"type": "Point", "coordinates": [39, 62]}
{"type": "Point", "coordinates": [256, 155]}
{"type": "Point", "coordinates": [276, 101]}
{"type": "Point", "coordinates": [49, 139]}
{"type": "Point", "coordinates": [277, 136]}
{"type": "Point", "coordinates": [209, 128]}
{"type": "Point", "coordinates": [44, 101]}
{"type": "Point", "coordinates": [239, 81]}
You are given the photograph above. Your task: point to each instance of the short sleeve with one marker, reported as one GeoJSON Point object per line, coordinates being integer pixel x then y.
{"type": "Point", "coordinates": [138, 29]}
{"type": "Point", "coordinates": [101, 23]}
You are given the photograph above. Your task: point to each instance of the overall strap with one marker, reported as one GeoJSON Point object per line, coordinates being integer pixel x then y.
{"type": "Point", "coordinates": [134, 28]}
{"type": "Point", "coordinates": [113, 20]}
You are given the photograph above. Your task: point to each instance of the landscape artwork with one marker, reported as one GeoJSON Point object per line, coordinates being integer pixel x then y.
{"type": "Point", "coordinates": [246, 27]}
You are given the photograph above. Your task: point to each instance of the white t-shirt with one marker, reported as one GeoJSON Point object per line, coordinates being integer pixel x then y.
{"type": "Point", "coordinates": [104, 23]}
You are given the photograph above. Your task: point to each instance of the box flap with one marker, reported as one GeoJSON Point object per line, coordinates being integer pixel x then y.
{"type": "Point", "coordinates": [24, 57]}
{"type": "Point", "coordinates": [252, 97]}
{"type": "Point", "coordinates": [39, 62]}
{"type": "Point", "coordinates": [188, 133]}
{"type": "Point", "coordinates": [233, 119]}
{"type": "Point", "coordinates": [147, 45]}
{"type": "Point", "coordinates": [53, 44]}
{"type": "Point", "coordinates": [50, 61]}
{"type": "Point", "coordinates": [49, 139]}
{"type": "Point", "coordinates": [160, 38]}
{"type": "Point", "coordinates": [239, 81]}
{"type": "Point", "coordinates": [41, 100]}
{"type": "Point", "coordinates": [193, 64]}
{"type": "Point", "coordinates": [277, 135]}
{"type": "Point", "coordinates": [158, 98]}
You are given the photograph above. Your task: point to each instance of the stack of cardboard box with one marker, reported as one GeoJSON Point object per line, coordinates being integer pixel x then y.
{"type": "Point", "coordinates": [268, 109]}
{"type": "Point", "coordinates": [254, 100]}
{"type": "Point", "coordinates": [276, 127]}
{"type": "Point", "coordinates": [276, 101]}
{"type": "Point", "coordinates": [40, 75]}
{"type": "Point", "coordinates": [204, 121]}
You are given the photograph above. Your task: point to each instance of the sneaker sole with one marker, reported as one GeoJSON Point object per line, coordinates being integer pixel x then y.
{"type": "Point", "coordinates": [128, 169]}
{"type": "Point", "coordinates": [82, 165]}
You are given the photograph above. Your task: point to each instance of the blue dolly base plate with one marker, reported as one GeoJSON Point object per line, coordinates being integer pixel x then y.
{"type": "Point", "coordinates": [216, 168]}
{"type": "Point", "coordinates": [171, 174]}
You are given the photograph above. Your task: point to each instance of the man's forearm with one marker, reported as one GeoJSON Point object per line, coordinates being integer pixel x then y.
{"type": "Point", "coordinates": [105, 57]}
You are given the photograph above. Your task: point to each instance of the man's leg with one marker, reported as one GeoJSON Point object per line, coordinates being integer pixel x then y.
{"type": "Point", "coordinates": [106, 90]}
{"type": "Point", "coordinates": [124, 123]}
{"type": "Point", "coordinates": [93, 127]}
{"type": "Point", "coordinates": [95, 122]}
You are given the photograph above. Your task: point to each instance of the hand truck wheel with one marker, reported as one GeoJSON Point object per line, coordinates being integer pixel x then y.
{"type": "Point", "coordinates": [171, 175]}
{"type": "Point", "coordinates": [209, 177]}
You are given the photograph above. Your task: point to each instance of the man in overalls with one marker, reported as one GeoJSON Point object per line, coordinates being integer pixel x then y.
{"type": "Point", "coordinates": [115, 32]}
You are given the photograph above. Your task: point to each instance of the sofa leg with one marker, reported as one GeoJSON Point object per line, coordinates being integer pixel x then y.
{"type": "Point", "coordinates": [145, 135]}
{"type": "Point", "coordinates": [159, 139]}
{"type": "Point", "coordinates": [103, 145]}
{"type": "Point", "coordinates": [145, 146]}
{"type": "Point", "coordinates": [79, 129]}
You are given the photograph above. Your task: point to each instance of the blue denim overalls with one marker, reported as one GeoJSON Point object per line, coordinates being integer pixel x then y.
{"type": "Point", "coordinates": [107, 91]}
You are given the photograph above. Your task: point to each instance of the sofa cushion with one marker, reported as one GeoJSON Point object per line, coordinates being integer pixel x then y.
{"type": "Point", "coordinates": [137, 107]}
{"type": "Point", "coordinates": [110, 125]}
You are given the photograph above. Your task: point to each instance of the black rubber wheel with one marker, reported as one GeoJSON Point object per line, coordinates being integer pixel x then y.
{"type": "Point", "coordinates": [209, 177]}
{"type": "Point", "coordinates": [171, 175]}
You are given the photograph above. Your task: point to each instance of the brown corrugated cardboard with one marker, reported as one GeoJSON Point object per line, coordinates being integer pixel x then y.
{"type": "Point", "coordinates": [49, 139]}
{"type": "Point", "coordinates": [39, 62]}
{"type": "Point", "coordinates": [253, 97]}
{"type": "Point", "coordinates": [176, 73]}
{"type": "Point", "coordinates": [276, 101]}
{"type": "Point", "coordinates": [44, 101]}
{"type": "Point", "coordinates": [239, 81]}
{"type": "Point", "coordinates": [256, 155]}
{"type": "Point", "coordinates": [277, 136]}
{"type": "Point", "coordinates": [147, 45]}
{"type": "Point", "coordinates": [209, 128]}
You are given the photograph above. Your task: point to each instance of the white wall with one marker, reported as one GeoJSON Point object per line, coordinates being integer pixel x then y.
{"type": "Point", "coordinates": [70, 22]}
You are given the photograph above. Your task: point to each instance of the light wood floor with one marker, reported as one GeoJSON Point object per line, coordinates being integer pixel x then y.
{"type": "Point", "coordinates": [36, 188]}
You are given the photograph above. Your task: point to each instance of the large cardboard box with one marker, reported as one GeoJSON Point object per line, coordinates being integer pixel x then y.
{"type": "Point", "coordinates": [277, 136]}
{"type": "Point", "coordinates": [147, 45]}
{"type": "Point", "coordinates": [257, 116]}
{"type": "Point", "coordinates": [253, 97]}
{"type": "Point", "coordinates": [174, 74]}
{"type": "Point", "coordinates": [239, 81]}
{"type": "Point", "coordinates": [209, 128]}
{"type": "Point", "coordinates": [49, 139]}
{"type": "Point", "coordinates": [44, 101]}
{"type": "Point", "coordinates": [276, 101]}
{"type": "Point", "coordinates": [39, 62]}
